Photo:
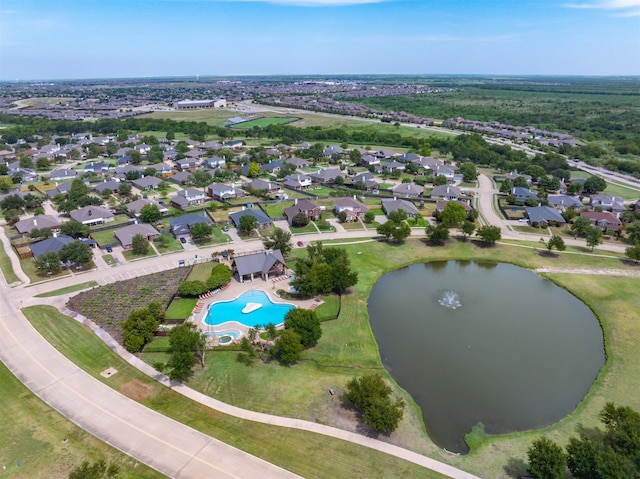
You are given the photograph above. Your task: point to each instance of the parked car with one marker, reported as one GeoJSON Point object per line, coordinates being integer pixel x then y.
{"type": "Point", "coordinates": [109, 249]}
{"type": "Point", "coordinates": [183, 241]}
{"type": "Point", "coordinates": [225, 228]}
{"type": "Point", "coordinates": [300, 243]}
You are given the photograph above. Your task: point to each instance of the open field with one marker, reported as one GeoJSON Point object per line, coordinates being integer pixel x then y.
{"type": "Point", "coordinates": [211, 116]}
{"type": "Point", "coordinates": [309, 455]}
{"type": "Point", "coordinates": [7, 268]}
{"type": "Point", "coordinates": [68, 289]}
{"type": "Point", "coordinates": [264, 121]}
{"type": "Point", "coordinates": [45, 444]}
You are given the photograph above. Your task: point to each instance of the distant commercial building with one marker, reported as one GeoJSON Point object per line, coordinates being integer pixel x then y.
{"type": "Point", "coordinates": [194, 104]}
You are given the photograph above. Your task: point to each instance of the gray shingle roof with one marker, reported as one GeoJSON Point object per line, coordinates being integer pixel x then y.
{"type": "Point", "coordinates": [258, 263]}
{"type": "Point", "coordinates": [51, 244]}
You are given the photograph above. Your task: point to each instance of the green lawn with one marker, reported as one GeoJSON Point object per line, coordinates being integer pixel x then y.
{"type": "Point", "coordinates": [276, 210]}
{"type": "Point", "coordinates": [7, 268]}
{"type": "Point", "coordinates": [104, 237]}
{"type": "Point", "coordinates": [310, 228]}
{"type": "Point", "coordinates": [321, 191]}
{"type": "Point", "coordinates": [109, 259]}
{"type": "Point", "coordinates": [353, 226]}
{"type": "Point", "coordinates": [306, 454]}
{"type": "Point", "coordinates": [68, 289]}
{"type": "Point", "coordinates": [263, 122]}
{"type": "Point", "coordinates": [170, 244]}
{"type": "Point", "coordinates": [200, 272]}
{"type": "Point", "coordinates": [181, 308]}
{"type": "Point", "coordinates": [45, 443]}
{"type": "Point", "coordinates": [131, 256]}
{"type": "Point", "coordinates": [28, 266]}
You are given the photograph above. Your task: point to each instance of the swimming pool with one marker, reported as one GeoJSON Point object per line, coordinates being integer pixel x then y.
{"type": "Point", "coordinates": [259, 309]}
{"type": "Point", "coordinates": [233, 333]}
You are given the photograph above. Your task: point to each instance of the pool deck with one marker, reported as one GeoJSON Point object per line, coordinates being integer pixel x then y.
{"type": "Point", "coordinates": [234, 290]}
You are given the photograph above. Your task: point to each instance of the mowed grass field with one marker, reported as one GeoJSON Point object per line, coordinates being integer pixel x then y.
{"type": "Point", "coordinates": [264, 121]}
{"type": "Point", "coordinates": [309, 455]}
{"type": "Point", "coordinates": [45, 444]}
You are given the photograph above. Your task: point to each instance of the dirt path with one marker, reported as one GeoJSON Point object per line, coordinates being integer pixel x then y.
{"type": "Point", "coordinates": [608, 272]}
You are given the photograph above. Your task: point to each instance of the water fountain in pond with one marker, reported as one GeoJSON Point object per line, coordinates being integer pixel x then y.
{"type": "Point", "coordinates": [450, 299]}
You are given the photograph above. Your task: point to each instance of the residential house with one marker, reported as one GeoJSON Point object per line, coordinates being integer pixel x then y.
{"type": "Point", "coordinates": [407, 189]}
{"type": "Point", "coordinates": [331, 150]}
{"type": "Point", "coordinates": [385, 154]}
{"type": "Point", "coordinates": [273, 167]}
{"type": "Point", "coordinates": [182, 178]}
{"type": "Point", "coordinates": [233, 144]}
{"type": "Point", "coordinates": [513, 175]}
{"type": "Point", "coordinates": [544, 216]}
{"type": "Point", "coordinates": [188, 164]}
{"type": "Point", "coordinates": [49, 245]}
{"type": "Point", "coordinates": [142, 148]}
{"type": "Point", "coordinates": [371, 161]}
{"type": "Point", "coordinates": [443, 170]}
{"type": "Point", "coordinates": [161, 168]}
{"type": "Point", "coordinates": [92, 215]}
{"type": "Point", "coordinates": [297, 181]}
{"type": "Point", "coordinates": [429, 163]}
{"type": "Point", "coordinates": [134, 207]}
{"type": "Point", "coordinates": [522, 194]}
{"type": "Point", "coordinates": [112, 185]}
{"type": "Point", "coordinates": [441, 205]}
{"type": "Point", "coordinates": [125, 235]}
{"type": "Point", "coordinates": [181, 226]}
{"type": "Point", "coordinates": [122, 171]}
{"type": "Point", "coordinates": [352, 207]}
{"type": "Point", "coordinates": [61, 189]}
{"type": "Point", "coordinates": [445, 192]}
{"type": "Point", "coordinates": [389, 205]}
{"type": "Point", "coordinates": [147, 183]}
{"type": "Point", "coordinates": [564, 202]}
{"type": "Point", "coordinates": [220, 191]}
{"type": "Point", "coordinates": [260, 185]}
{"type": "Point", "coordinates": [308, 207]}
{"type": "Point", "coordinates": [391, 166]}
{"type": "Point", "coordinates": [607, 203]}
{"type": "Point", "coordinates": [263, 221]}
{"type": "Point", "coordinates": [262, 265]}
{"type": "Point", "coordinates": [188, 197]}
{"type": "Point", "coordinates": [26, 225]}
{"type": "Point", "coordinates": [99, 167]}
{"type": "Point", "coordinates": [62, 174]}
{"type": "Point", "coordinates": [297, 162]}
{"type": "Point", "coordinates": [367, 179]}
{"type": "Point", "coordinates": [214, 162]}
{"type": "Point", "coordinates": [408, 157]}
{"type": "Point", "coordinates": [328, 175]}
{"type": "Point", "coordinates": [605, 220]}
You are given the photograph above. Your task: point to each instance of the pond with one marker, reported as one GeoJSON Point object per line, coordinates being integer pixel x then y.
{"type": "Point", "coordinates": [488, 343]}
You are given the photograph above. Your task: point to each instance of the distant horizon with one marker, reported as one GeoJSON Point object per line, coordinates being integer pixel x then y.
{"type": "Point", "coordinates": [326, 76]}
{"type": "Point", "coordinates": [78, 39]}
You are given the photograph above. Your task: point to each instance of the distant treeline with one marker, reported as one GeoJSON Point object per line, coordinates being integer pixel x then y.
{"type": "Point", "coordinates": [470, 147]}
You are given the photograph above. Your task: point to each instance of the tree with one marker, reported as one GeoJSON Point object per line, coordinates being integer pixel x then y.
{"type": "Point", "coordinates": [278, 240]}
{"type": "Point", "coordinates": [220, 275]}
{"type": "Point", "coordinates": [48, 262]}
{"type": "Point", "coordinates": [138, 329]}
{"type": "Point", "coordinates": [469, 172]}
{"type": "Point", "coordinates": [74, 229]}
{"type": "Point", "coordinates": [202, 179]}
{"type": "Point", "coordinates": [547, 460]}
{"type": "Point", "coordinates": [633, 232]}
{"type": "Point", "coordinates": [594, 184]}
{"type": "Point", "coordinates": [386, 229]}
{"type": "Point", "coordinates": [520, 182]}
{"type": "Point", "coordinates": [150, 213]}
{"type": "Point", "coordinates": [489, 234]}
{"type": "Point", "coordinates": [42, 233]}
{"type": "Point", "coordinates": [170, 135]}
{"type": "Point", "coordinates": [372, 397]}
{"type": "Point", "coordinates": [186, 344]}
{"type": "Point", "coordinates": [574, 188]}
{"type": "Point", "coordinates": [124, 190]}
{"type": "Point", "coordinates": [468, 227]}
{"type": "Point", "coordinates": [5, 183]}
{"type": "Point", "coordinates": [369, 217]}
{"type": "Point", "coordinates": [43, 163]}
{"type": "Point", "coordinates": [452, 214]}
{"type": "Point", "coordinates": [440, 180]}
{"type": "Point", "coordinates": [248, 223]}
{"type": "Point", "coordinates": [75, 253]}
{"type": "Point", "coordinates": [581, 226]}
{"type": "Point", "coordinates": [439, 234]}
{"type": "Point", "coordinates": [506, 186]}
{"type": "Point", "coordinates": [299, 220]}
{"type": "Point", "coordinates": [397, 216]}
{"type": "Point", "coordinates": [139, 245]}
{"type": "Point", "coordinates": [288, 348]}
{"type": "Point", "coordinates": [633, 252]}
{"type": "Point", "coordinates": [97, 470]}
{"type": "Point", "coordinates": [200, 231]}
{"type": "Point", "coordinates": [622, 430]}
{"type": "Point", "coordinates": [306, 323]}
{"type": "Point", "coordinates": [253, 170]}
{"type": "Point", "coordinates": [554, 242]}
{"type": "Point", "coordinates": [192, 288]}
{"type": "Point", "coordinates": [593, 235]}
{"type": "Point", "coordinates": [324, 270]}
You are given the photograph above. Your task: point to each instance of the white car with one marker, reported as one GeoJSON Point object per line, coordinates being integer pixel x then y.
{"type": "Point", "coordinates": [523, 220]}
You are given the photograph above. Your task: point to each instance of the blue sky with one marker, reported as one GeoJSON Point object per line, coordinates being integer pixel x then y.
{"type": "Point", "coordinates": [54, 39]}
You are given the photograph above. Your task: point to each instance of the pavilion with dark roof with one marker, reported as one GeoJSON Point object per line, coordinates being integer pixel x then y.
{"type": "Point", "coordinates": [263, 265]}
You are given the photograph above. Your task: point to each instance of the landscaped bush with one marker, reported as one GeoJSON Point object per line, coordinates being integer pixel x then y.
{"type": "Point", "coordinates": [220, 275]}
{"type": "Point", "coordinates": [192, 288]}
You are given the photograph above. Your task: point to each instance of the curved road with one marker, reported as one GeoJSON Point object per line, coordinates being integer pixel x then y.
{"type": "Point", "coordinates": [139, 431]}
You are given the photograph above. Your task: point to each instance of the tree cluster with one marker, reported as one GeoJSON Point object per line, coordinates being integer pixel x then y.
{"type": "Point", "coordinates": [370, 395]}
{"type": "Point", "coordinates": [324, 270]}
{"type": "Point", "coordinates": [220, 275]}
{"type": "Point", "coordinates": [74, 253]}
{"type": "Point", "coordinates": [138, 328]}
{"type": "Point", "coordinates": [186, 345]}
{"type": "Point", "coordinates": [612, 454]}
{"type": "Point", "coordinates": [278, 240]}
{"type": "Point", "coordinates": [397, 226]}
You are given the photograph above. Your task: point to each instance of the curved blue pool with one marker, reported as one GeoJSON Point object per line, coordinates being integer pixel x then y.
{"type": "Point", "coordinates": [258, 309]}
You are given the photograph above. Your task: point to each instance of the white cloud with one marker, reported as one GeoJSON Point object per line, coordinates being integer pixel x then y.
{"type": "Point", "coordinates": [626, 8]}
